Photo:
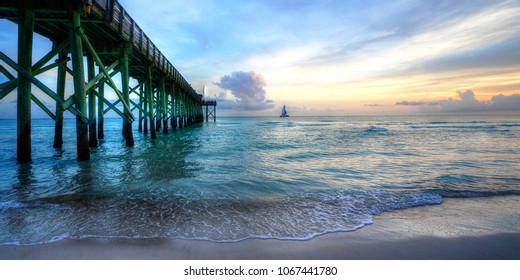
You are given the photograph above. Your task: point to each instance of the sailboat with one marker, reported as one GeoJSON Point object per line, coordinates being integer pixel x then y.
{"type": "Point", "coordinates": [284, 113]}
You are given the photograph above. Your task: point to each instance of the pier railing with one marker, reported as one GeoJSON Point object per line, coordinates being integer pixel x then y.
{"type": "Point", "coordinates": [121, 21]}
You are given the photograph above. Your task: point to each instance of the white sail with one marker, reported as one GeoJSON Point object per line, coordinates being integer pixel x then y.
{"type": "Point", "coordinates": [284, 113]}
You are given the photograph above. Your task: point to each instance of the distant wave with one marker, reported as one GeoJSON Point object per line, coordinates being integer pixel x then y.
{"type": "Point", "coordinates": [468, 126]}
{"type": "Point", "coordinates": [376, 129]}
{"type": "Point", "coordinates": [490, 127]}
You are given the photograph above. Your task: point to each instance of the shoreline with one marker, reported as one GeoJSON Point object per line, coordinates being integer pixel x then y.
{"type": "Point", "coordinates": [459, 228]}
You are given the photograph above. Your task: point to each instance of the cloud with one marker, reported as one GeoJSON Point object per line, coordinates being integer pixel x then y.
{"type": "Point", "coordinates": [248, 88]}
{"type": "Point", "coordinates": [416, 103]}
{"type": "Point", "coordinates": [467, 102]}
{"type": "Point", "coordinates": [506, 103]}
{"type": "Point", "coordinates": [374, 105]}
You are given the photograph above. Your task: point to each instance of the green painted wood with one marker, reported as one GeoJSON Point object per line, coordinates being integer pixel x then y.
{"type": "Point", "coordinates": [50, 55]}
{"type": "Point", "coordinates": [150, 98]}
{"type": "Point", "coordinates": [145, 107]}
{"type": "Point", "coordinates": [137, 106]}
{"type": "Point", "coordinates": [67, 69]}
{"type": "Point", "coordinates": [43, 107]}
{"type": "Point", "coordinates": [92, 50]}
{"type": "Point", "coordinates": [82, 145]}
{"type": "Point", "coordinates": [185, 108]}
{"type": "Point", "coordinates": [50, 66]}
{"type": "Point", "coordinates": [25, 44]}
{"type": "Point", "coordinates": [8, 87]}
{"type": "Point", "coordinates": [173, 119]}
{"type": "Point", "coordinates": [110, 105]}
{"type": "Point", "coordinates": [65, 105]}
{"type": "Point", "coordinates": [141, 109]}
{"type": "Point", "coordinates": [22, 72]}
{"type": "Point", "coordinates": [92, 125]}
{"type": "Point", "coordinates": [92, 82]}
{"type": "Point", "coordinates": [125, 79]}
{"type": "Point", "coordinates": [60, 91]}
{"type": "Point", "coordinates": [158, 106]}
{"type": "Point", "coordinates": [164, 106]}
{"type": "Point", "coordinates": [100, 109]}
{"type": "Point", "coordinates": [6, 73]}
{"type": "Point", "coordinates": [135, 88]}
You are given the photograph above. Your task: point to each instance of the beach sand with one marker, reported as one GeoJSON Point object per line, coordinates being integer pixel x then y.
{"type": "Point", "coordinates": [476, 228]}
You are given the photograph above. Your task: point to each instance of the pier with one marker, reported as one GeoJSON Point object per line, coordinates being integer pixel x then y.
{"type": "Point", "coordinates": [210, 112]}
{"type": "Point", "coordinates": [100, 38]}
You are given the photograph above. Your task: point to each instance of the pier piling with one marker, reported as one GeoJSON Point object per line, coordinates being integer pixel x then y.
{"type": "Point", "coordinates": [150, 97]}
{"type": "Point", "coordinates": [92, 133]}
{"type": "Point", "coordinates": [82, 144]}
{"type": "Point", "coordinates": [164, 103]}
{"type": "Point", "coordinates": [140, 126]}
{"type": "Point", "coordinates": [101, 109]}
{"type": "Point", "coordinates": [60, 91]}
{"type": "Point", "coordinates": [25, 43]}
{"type": "Point", "coordinates": [125, 78]}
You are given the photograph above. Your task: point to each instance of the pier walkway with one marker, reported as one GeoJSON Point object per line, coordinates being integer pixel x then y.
{"type": "Point", "coordinates": [102, 35]}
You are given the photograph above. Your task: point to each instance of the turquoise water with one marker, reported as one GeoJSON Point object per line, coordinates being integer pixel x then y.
{"type": "Point", "coordinates": [240, 178]}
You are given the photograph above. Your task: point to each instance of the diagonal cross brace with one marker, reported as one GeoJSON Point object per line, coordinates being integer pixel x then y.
{"type": "Point", "coordinates": [42, 106]}
{"type": "Point", "coordinates": [102, 68]}
{"type": "Point", "coordinates": [134, 90]}
{"type": "Point", "coordinates": [110, 105]}
{"type": "Point", "coordinates": [41, 86]}
{"type": "Point", "coordinates": [101, 75]}
{"type": "Point", "coordinates": [50, 55]}
{"type": "Point", "coordinates": [137, 106]}
{"type": "Point", "coordinates": [6, 73]}
{"type": "Point", "coordinates": [9, 86]}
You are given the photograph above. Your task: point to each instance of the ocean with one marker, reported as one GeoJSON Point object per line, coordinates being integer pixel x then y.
{"type": "Point", "coordinates": [250, 177]}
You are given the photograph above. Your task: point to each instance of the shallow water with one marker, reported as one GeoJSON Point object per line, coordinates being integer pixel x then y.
{"type": "Point", "coordinates": [240, 178]}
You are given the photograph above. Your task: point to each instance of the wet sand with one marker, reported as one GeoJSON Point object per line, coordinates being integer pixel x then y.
{"type": "Point", "coordinates": [477, 228]}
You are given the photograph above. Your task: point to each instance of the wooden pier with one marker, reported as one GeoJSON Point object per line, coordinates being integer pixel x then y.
{"type": "Point", "coordinates": [101, 34]}
{"type": "Point", "coordinates": [210, 112]}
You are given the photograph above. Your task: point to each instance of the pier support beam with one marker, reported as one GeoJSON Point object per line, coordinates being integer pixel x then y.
{"type": "Point", "coordinates": [25, 43]}
{"type": "Point", "coordinates": [173, 116]}
{"type": "Point", "coordinates": [83, 149]}
{"type": "Point", "coordinates": [149, 97]}
{"type": "Point", "coordinates": [92, 133]}
{"type": "Point", "coordinates": [141, 99]}
{"type": "Point", "coordinates": [177, 113]}
{"type": "Point", "coordinates": [185, 110]}
{"type": "Point", "coordinates": [164, 107]}
{"type": "Point", "coordinates": [145, 106]}
{"type": "Point", "coordinates": [181, 109]}
{"type": "Point", "coordinates": [60, 91]}
{"type": "Point", "coordinates": [157, 107]}
{"type": "Point", "coordinates": [125, 78]}
{"type": "Point", "coordinates": [101, 110]}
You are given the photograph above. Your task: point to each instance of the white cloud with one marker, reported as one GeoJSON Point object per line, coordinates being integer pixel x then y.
{"type": "Point", "coordinates": [467, 102]}
{"type": "Point", "coordinates": [248, 89]}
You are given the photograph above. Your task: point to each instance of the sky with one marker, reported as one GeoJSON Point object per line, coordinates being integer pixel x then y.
{"type": "Point", "coordinates": [336, 57]}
